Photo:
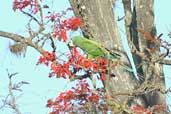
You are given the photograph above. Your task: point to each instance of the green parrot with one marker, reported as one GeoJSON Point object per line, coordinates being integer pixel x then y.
{"type": "Point", "coordinates": [94, 50]}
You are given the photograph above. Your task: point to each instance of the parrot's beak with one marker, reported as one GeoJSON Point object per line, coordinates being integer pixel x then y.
{"type": "Point", "coordinates": [70, 44]}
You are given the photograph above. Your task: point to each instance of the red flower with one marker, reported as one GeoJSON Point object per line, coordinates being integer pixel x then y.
{"type": "Point", "coordinates": [49, 103]}
{"type": "Point", "coordinates": [81, 93]}
{"type": "Point", "coordinates": [21, 4]}
{"type": "Point", "coordinates": [55, 33]}
{"type": "Point", "coordinates": [49, 56]}
{"type": "Point", "coordinates": [73, 23]}
{"type": "Point", "coordinates": [60, 26]}
{"type": "Point", "coordinates": [140, 110]}
{"type": "Point", "coordinates": [63, 35]}
{"type": "Point", "coordinates": [43, 60]}
{"type": "Point", "coordinates": [103, 77]}
{"type": "Point", "coordinates": [147, 36]}
{"type": "Point", "coordinates": [46, 58]}
{"type": "Point", "coordinates": [75, 52]}
{"type": "Point", "coordinates": [61, 70]}
{"type": "Point", "coordinates": [94, 98]}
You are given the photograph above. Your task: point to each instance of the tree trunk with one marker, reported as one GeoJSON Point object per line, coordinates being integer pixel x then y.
{"type": "Point", "coordinates": [152, 71]}
{"type": "Point", "coordinates": [100, 25]}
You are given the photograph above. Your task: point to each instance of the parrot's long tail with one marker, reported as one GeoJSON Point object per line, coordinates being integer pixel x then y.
{"type": "Point", "coordinates": [129, 69]}
{"type": "Point", "coordinates": [112, 55]}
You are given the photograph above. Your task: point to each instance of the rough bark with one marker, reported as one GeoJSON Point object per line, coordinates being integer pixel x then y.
{"type": "Point", "coordinates": [152, 71]}
{"type": "Point", "coordinates": [100, 25]}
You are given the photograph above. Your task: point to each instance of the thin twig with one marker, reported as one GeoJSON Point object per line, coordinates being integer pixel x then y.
{"type": "Point", "coordinates": [31, 16]}
{"type": "Point", "coordinates": [12, 104]}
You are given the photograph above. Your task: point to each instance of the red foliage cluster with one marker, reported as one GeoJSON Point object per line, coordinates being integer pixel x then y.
{"type": "Point", "coordinates": [77, 61]}
{"type": "Point", "coordinates": [46, 58]}
{"type": "Point", "coordinates": [147, 36]}
{"type": "Point", "coordinates": [55, 17]}
{"type": "Point", "coordinates": [79, 95]}
{"type": "Point", "coordinates": [154, 40]}
{"type": "Point", "coordinates": [100, 65]}
{"type": "Point", "coordinates": [94, 98]}
{"type": "Point", "coordinates": [97, 65]}
{"type": "Point", "coordinates": [61, 26]}
{"type": "Point", "coordinates": [159, 107]}
{"type": "Point", "coordinates": [80, 60]}
{"type": "Point", "coordinates": [61, 70]}
{"type": "Point", "coordinates": [69, 24]}
{"type": "Point", "coordinates": [140, 110]}
{"type": "Point", "coordinates": [21, 4]}
{"type": "Point", "coordinates": [72, 24]}
{"type": "Point", "coordinates": [62, 34]}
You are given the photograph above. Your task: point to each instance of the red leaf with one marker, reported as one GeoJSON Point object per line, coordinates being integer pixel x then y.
{"type": "Point", "coordinates": [94, 98]}
{"type": "Point", "coordinates": [49, 103]}
{"type": "Point", "coordinates": [87, 63]}
{"type": "Point", "coordinates": [63, 35]}
{"type": "Point", "coordinates": [72, 23]}
{"type": "Point", "coordinates": [103, 77]}
{"type": "Point", "coordinates": [75, 23]}
{"type": "Point", "coordinates": [46, 58]}
{"type": "Point", "coordinates": [139, 109]}
{"type": "Point", "coordinates": [61, 70]}
{"type": "Point", "coordinates": [21, 4]}
{"type": "Point", "coordinates": [147, 35]}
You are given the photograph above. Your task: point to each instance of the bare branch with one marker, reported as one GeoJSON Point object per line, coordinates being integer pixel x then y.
{"type": "Point", "coordinates": [52, 44]}
{"type": "Point", "coordinates": [166, 62]}
{"type": "Point", "coordinates": [144, 90]}
{"type": "Point", "coordinates": [4, 102]}
{"type": "Point", "coordinates": [41, 14]}
{"type": "Point", "coordinates": [10, 99]}
{"type": "Point", "coordinates": [18, 85]}
{"type": "Point", "coordinates": [19, 38]}
{"type": "Point", "coordinates": [43, 38]}
{"type": "Point", "coordinates": [12, 104]}
{"type": "Point", "coordinates": [31, 16]}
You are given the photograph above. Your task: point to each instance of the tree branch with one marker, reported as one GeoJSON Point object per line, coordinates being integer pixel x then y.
{"type": "Point", "coordinates": [166, 62]}
{"type": "Point", "coordinates": [19, 38]}
{"type": "Point", "coordinates": [32, 17]}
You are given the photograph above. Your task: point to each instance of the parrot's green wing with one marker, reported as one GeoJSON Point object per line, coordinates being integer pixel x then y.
{"type": "Point", "coordinates": [92, 48]}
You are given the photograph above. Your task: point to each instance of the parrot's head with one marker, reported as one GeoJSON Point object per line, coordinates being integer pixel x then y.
{"type": "Point", "coordinates": [71, 44]}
